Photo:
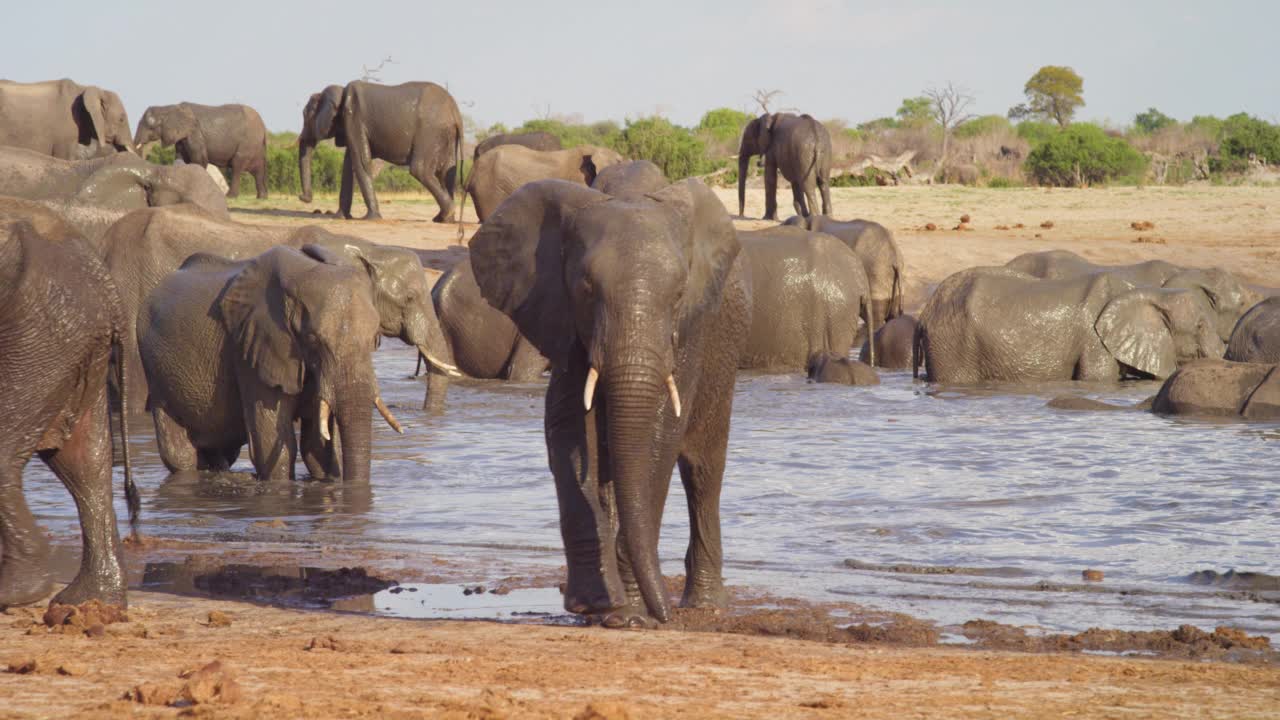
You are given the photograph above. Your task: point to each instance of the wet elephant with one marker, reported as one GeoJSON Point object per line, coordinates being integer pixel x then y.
{"type": "Point", "coordinates": [636, 177]}
{"type": "Point", "coordinates": [893, 344]}
{"type": "Point", "coordinates": [1220, 388]}
{"type": "Point", "coordinates": [880, 255]}
{"type": "Point", "coordinates": [1256, 337]}
{"type": "Point", "coordinates": [828, 367]}
{"type": "Point", "coordinates": [499, 172]}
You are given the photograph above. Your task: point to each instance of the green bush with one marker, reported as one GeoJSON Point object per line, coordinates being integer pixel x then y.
{"type": "Point", "coordinates": [675, 149]}
{"type": "Point", "coordinates": [999, 181]}
{"type": "Point", "coordinates": [1151, 121]}
{"type": "Point", "coordinates": [1083, 153]}
{"type": "Point", "coordinates": [604, 134]}
{"type": "Point", "coordinates": [984, 125]}
{"type": "Point", "coordinates": [866, 179]}
{"type": "Point", "coordinates": [162, 155]}
{"type": "Point", "coordinates": [1244, 135]}
{"type": "Point", "coordinates": [1035, 132]}
{"type": "Point", "coordinates": [724, 124]}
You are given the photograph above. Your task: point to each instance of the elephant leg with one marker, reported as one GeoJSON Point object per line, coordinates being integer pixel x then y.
{"type": "Point", "coordinates": [233, 185]}
{"type": "Point", "coordinates": [317, 454]}
{"type": "Point", "coordinates": [83, 464]}
{"type": "Point", "coordinates": [268, 417]}
{"type": "Point", "coordinates": [260, 178]}
{"type": "Point", "coordinates": [346, 190]}
{"type": "Point", "coordinates": [770, 188]}
{"type": "Point", "coordinates": [434, 185]}
{"type": "Point", "coordinates": [798, 200]}
{"type": "Point", "coordinates": [361, 158]}
{"type": "Point", "coordinates": [810, 197]}
{"type": "Point", "coordinates": [24, 552]}
{"type": "Point", "coordinates": [213, 459]}
{"type": "Point", "coordinates": [824, 187]}
{"type": "Point", "coordinates": [702, 473]}
{"type": "Point", "coordinates": [437, 391]}
{"type": "Point", "coordinates": [586, 526]}
{"type": "Point", "coordinates": [177, 452]}
{"type": "Point", "coordinates": [526, 363]}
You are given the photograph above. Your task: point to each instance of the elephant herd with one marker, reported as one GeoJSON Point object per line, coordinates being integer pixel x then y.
{"type": "Point", "coordinates": [638, 295]}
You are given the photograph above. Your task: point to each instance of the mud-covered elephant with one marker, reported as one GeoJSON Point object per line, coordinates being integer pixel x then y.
{"type": "Point", "coordinates": [635, 177]}
{"type": "Point", "coordinates": [1256, 337]}
{"type": "Point", "coordinates": [808, 292]}
{"type": "Point", "coordinates": [531, 140]}
{"type": "Point", "coordinates": [1229, 297]}
{"type": "Point", "coordinates": [64, 119]}
{"type": "Point", "coordinates": [828, 367]}
{"type": "Point", "coordinates": [502, 170]}
{"type": "Point", "coordinates": [228, 137]}
{"type": "Point", "coordinates": [880, 255]}
{"type": "Point", "coordinates": [800, 147]}
{"type": "Point", "coordinates": [1000, 324]}
{"type": "Point", "coordinates": [893, 344]}
{"type": "Point", "coordinates": [1220, 388]}
{"type": "Point", "coordinates": [233, 350]}
{"type": "Point", "coordinates": [59, 318]}
{"type": "Point", "coordinates": [639, 305]}
{"type": "Point", "coordinates": [414, 124]}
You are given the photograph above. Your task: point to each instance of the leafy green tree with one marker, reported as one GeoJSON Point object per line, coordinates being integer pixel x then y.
{"type": "Point", "coordinates": [1151, 121]}
{"type": "Point", "coordinates": [916, 111]}
{"type": "Point", "coordinates": [1053, 93]}
{"type": "Point", "coordinates": [1208, 125]}
{"type": "Point", "coordinates": [1243, 136]}
{"type": "Point", "coordinates": [724, 124]}
{"type": "Point", "coordinates": [1083, 154]}
{"type": "Point", "coordinates": [675, 149]}
{"type": "Point", "coordinates": [982, 125]}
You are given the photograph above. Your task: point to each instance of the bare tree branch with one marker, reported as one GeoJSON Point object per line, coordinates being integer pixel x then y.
{"type": "Point", "coordinates": [764, 97]}
{"type": "Point", "coordinates": [374, 74]}
{"type": "Point", "coordinates": [950, 104]}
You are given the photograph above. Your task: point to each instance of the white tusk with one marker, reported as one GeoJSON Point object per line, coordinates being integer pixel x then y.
{"type": "Point", "coordinates": [324, 421]}
{"type": "Point", "coordinates": [440, 365]}
{"type": "Point", "coordinates": [675, 394]}
{"type": "Point", "coordinates": [589, 392]}
{"type": "Point", "coordinates": [386, 414]}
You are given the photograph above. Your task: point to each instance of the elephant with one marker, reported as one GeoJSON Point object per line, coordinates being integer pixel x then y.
{"type": "Point", "coordinates": [1256, 337]}
{"type": "Point", "coordinates": [828, 367]}
{"type": "Point", "coordinates": [893, 344]}
{"type": "Point", "coordinates": [1221, 388]}
{"type": "Point", "coordinates": [875, 246]}
{"type": "Point", "coordinates": [46, 223]}
{"type": "Point", "coordinates": [800, 147]}
{"type": "Point", "coordinates": [637, 177]}
{"type": "Point", "coordinates": [115, 184]}
{"type": "Point", "coordinates": [480, 340]}
{"type": "Point", "coordinates": [233, 350]}
{"type": "Point", "coordinates": [415, 124]}
{"type": "Point", "coordinates": [640, 305]}
{"type": "Point", "coordinates": [1003, 325]}
{"type": "Point", "coordinates": [229, 137]}
{"type": "Point", "coordinates": [1229, 297]}
{"type": "Point", "coordinates": [531, 140]}
{"type": "Point", "coordinates": [59, 318]}
{"type": "Point", "coordinates": [499, 172]}
{"type": "Point", "coordinates": [807, 292]}
{"type": "Point", "coordinates": [64, 119]}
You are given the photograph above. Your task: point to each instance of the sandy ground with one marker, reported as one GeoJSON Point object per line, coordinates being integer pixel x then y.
{"type": "Point", "coordinates": [293, 663]}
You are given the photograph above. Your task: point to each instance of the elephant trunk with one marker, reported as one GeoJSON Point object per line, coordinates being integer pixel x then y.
{"type": "Point", "coordinates": [306, 146]}
{"type": "Point", "coordinates": [354, 414]}
{"type": "Point", "coordinates": [744, 162]}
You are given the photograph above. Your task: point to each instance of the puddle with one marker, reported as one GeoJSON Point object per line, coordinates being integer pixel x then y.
{"type": "Point", "coordinates": [446, 601]}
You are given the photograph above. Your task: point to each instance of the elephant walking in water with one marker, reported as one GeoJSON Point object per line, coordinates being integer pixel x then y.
{"type": "Point", "coordinates": [59, 320]}
{"type": "Point", "coordinates": [415, 124]}
{"type": "Point", "coordinates": [229, 137]}
{"type": "Point", "coordinates": [800, 147]}
{"type": "Point", "coordinates": [875, 247]}
{"type": "Point", "coordinates": [64, 119]}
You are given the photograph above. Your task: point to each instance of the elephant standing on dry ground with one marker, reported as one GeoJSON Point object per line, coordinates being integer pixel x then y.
{"type": "Point", "coordinates": [640, 305]}
{"type": "Point", "coordinates": [1003, 325]}
{"type": "Point", "coordinates": [228, 137]}
{"type": "Point", "coordinates": [808, 292]}
{"type": "Point", "coordinates": [1220, 388]}
{"type": "Point", "coordinates": [1256, 337]}
{"type": "Point", "coordinates": [415, 124]}
{"type": "Point", "coordinates": [63, 119]}
{"type": "Point", "coordinates": [880, 255]}
{"type": "Point", "coordinates": [59, 319]}
{"type": "Point", "coordinates": [800, 147]}
{"type": "Point", "coordinates": [531, 140]}
{"type": "Point", "coordinates": [499, 172]}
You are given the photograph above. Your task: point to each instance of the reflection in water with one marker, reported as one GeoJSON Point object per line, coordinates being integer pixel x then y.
{"type": "Point", "coordinates": [900, 474]}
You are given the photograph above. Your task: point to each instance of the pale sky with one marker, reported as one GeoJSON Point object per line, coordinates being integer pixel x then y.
{"type": "Point", "coordinates": [509, 61]}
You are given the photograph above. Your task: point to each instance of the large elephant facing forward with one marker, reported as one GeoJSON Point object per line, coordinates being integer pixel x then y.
{"type": "Point", "coordinates": [1256, 337]}
{"type": "Point", "coordinates": [999, 324]}
{"type": "Point", "coordinates": [800, 147]}
{"type": "Point", "coordinates": [875, 246]}
{"type": "Point", "coordinates": [63, 119]}
{"type": "Point", "coordinates": [639, 305]}
{"type": "Point", "coordinates": [499, 172]}
{"type": "Point", "coordinates": [414, 124]}
{"type": "Point", "coordinates": [230, 137]}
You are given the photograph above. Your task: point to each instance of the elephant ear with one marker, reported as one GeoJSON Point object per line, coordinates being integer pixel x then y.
{"type": "Point", "coordinates": [517, 258]}
{"type": "Point", "coordinates": [179, 124]}
{"type": "Point", "coordinates": [1135, 330]}
{"type": "Point", "coordinates": [711, 244]}
{"type": "Point", "coordinates": [91, 98]}
{"type": "Point", "coordinates": [588, 168]}
{"type": "Point", "coordinates": [328, 112]}
{"type": "Point", "coordinates": [260, 316]}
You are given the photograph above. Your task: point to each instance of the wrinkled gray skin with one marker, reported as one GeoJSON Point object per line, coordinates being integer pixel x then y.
{"type": "Point", "coordinates": [415, 124]}
{"type": "Point", "coordinates": [59, 319]}
{"type": "Point", "coordinates": [480, 341]}
{"type": "Point", "coordinates": [231, 350]}
{"type": "Point", "coordinates": [1219, 388]}
{"type": "Point", "coordinates": [800, 147]}
{"type": "Point", "coordinates": [1229, 297]}
{"type": "Point", "coordinates": [646, 296]}
{"type": "Point", "coordinates": [999, 324]}
{"type": "Point", "coordinates": [893, 344]}
{"type": "Point", "coordinates": [636, 177]}
{"type": "Point", "coordinates": [807, 293]}
{"type": "Point", "coordinates": [531, 140]}
{"type": "Point", "coordinates": [875, 246]}
{"type": "Point", "coordinates": [119, 183]}
{"type": "Point", "coordinates": [1256, 337]}
{"type": "Point", "coordinates": [229, 137]}
{"type": "Point", "coordinates": [828, 367]}
{"type": "Point", "coordinates": [63, 119]}
{"type": "Point", "coordinates": [500, 171]}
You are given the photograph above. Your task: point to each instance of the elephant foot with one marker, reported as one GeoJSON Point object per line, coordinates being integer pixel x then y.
{"type": "Point", "coordinates": [631, 617]}
{"type": "Point", "coordinates": [443, 216]}
{"type": "Point", "coordinates": [305, 198]}
{"type": "Point", "coordinates": [586, 594]}
{"type": "Point", "coordinates": [86, 587]}
{"type": "Point", "coordinates": [372, 216]}
{"type": "Point", "coordinates": [23, 583]}
{"type": "Point", "coordinates": [705, 596]}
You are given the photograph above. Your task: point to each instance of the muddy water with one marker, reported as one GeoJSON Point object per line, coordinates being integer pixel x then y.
{"type": "Point", "coordinates": [946, 504]}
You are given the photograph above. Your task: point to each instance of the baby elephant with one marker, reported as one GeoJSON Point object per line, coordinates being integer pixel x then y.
{"type": "Point", "coordinates": [1256, 337]}
{"type": "Point", "coordinates": [827, 367]}
{"type": "Point", "coordinates": [1221, 388]}
{"type": "Point", "coordinates": [893, 344]}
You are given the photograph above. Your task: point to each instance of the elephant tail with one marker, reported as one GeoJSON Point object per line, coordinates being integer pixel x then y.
{"type": "Point", "coordinates": [132, 498]}
{"type": "Point", "coordinates": [462, 180]}
{"type": "Point", "coordinates": [895, 297]}
{"type": "Point", "coordinates": [869, 317]}
{"type": "Point", "coordinates": [917, 350]}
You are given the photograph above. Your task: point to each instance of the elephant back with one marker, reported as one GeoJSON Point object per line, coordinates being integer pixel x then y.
{"type": "Point", "coordinates": [1256, 336]}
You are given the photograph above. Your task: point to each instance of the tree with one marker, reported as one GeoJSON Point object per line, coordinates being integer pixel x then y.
{"type": "Point", "coordinates": [374, 74]}
{"type": "Point", "coordinates": [764, 97]}
{"type": "Point", "coordinates": [1053, 93]}
{"type": "Point", "coordinates": [948, 106]}
{"type": "Point", "coordinates": [724, 124]}
{"type": "Point", "coordinates": [1151, 121]}
{"type": "Point", "coordinates": [916, 111]}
